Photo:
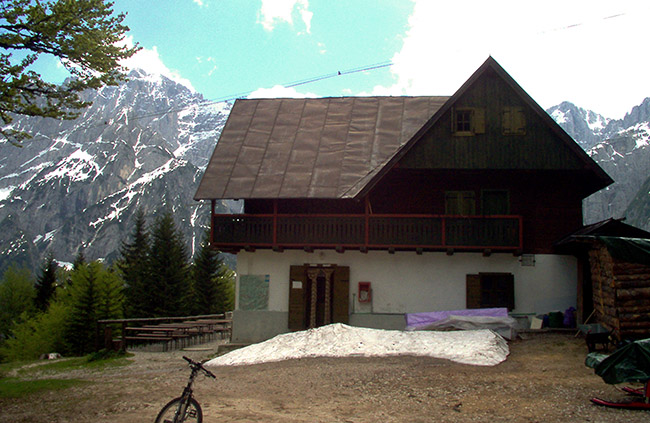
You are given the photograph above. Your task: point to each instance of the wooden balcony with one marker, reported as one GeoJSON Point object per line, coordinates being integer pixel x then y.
{"type": "Point", "coordinates": [233, 232]}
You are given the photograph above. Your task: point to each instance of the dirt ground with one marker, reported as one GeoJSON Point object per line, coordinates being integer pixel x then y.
{"type": "Point", "coordinates": [543, 380]}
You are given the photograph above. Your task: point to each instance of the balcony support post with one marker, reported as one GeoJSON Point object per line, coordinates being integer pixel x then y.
{"type": "Point", "coordinates": [366, 239]}
{"type": "Point", "coordinates": [275, 222]}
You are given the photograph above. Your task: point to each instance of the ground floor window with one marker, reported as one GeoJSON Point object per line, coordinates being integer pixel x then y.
{"type": "Point", "coordinates": [487, 290]}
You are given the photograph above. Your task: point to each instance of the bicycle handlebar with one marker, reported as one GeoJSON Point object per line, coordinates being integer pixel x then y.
{"type": "Point", "coordinates": [199, 365]}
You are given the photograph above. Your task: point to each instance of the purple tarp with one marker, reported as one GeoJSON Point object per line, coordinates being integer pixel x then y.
{"type": "Point", "coordinates": [415, 320]}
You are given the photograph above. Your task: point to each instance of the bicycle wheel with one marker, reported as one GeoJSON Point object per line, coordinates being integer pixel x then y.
{"type": "Point", "coordinates": [192, 414]}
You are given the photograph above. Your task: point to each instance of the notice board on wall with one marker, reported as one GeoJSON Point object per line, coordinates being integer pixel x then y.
{"type": "Point", "coordinates": [254, 292]}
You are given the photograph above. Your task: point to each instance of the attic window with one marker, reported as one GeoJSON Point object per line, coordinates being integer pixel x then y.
{"type": "Point", "coordinates": [513, 121]}
{"type": "Point", "coordinates": [468, 121]}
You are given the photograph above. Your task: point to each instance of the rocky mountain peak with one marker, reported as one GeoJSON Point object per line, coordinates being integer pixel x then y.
{"type": "Point", "coordinates": [76, 184]}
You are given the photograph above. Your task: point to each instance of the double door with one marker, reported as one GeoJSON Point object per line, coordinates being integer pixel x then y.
{"type": "Point", "coordinates": [318, 295]}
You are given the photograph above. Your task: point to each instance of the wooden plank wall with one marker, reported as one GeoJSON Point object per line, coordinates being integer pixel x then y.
{"type": "Point", "coordinates": [621, 293]}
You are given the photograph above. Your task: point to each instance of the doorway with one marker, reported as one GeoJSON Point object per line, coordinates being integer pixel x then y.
{"type": "Point", "coordinates": [318, 296]}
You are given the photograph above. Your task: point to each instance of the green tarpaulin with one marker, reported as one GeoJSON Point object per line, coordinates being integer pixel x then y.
{"type": "Point", "coordinates": [630, 363]}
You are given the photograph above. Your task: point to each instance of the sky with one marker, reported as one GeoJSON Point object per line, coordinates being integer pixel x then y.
{"type": "Point", "coordinates": [593, 53]}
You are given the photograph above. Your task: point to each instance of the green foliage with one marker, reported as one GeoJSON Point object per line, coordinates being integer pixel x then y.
{"type": "Point", "coordinates": [79, 260]}
{"type": "Point", "coordinates": [83, 34]}
{"type": "Point", "coordinates": [134, 270]}
{"type": "Point", "coordinates": [204, 280]}
{"type": "Point", "coordinates": [46, 283]}
{"type": "Point", "coordinates": [16, 298]}
{"type": "Point", "coordinates": [213, 282]}
{"type": "Point", "coordinates": [95, 294]}
{"type": "Point", "coordinates": [17, 388]}
{"type": "Point", "coordinates": [40, 334]}
{"type": "Point", "coordinates": [226, 290]}
{"type": "Point", "coordinates": [169, 269]}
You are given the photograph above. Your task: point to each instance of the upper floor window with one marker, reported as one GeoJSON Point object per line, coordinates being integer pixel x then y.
{"type": "Point", "coordinates": [513, 121]}
{"type": "Point", "coordinates": [468, 121]}
{"type": "Point", "coordinates": [495, 201]}
{"type": "Point", "coordinates": [460, 203]}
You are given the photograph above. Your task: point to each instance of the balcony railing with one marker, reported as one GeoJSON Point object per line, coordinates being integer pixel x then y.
{"type": "Point", "coordinates": [371, 231]}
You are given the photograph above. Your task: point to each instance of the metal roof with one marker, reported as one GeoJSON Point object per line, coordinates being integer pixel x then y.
{"type": "Point", "coordinates": [310, 148]}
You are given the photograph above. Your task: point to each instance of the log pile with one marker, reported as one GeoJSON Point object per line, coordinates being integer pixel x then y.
{"type": "Point", "coordinates": [621, 294]}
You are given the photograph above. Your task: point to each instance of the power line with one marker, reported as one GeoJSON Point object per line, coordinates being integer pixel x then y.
{"type": "Point", "coordinates": [231, 97]}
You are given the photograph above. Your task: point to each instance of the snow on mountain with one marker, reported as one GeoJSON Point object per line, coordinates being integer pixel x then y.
{"type": "Point", "coordinates": [621, 147]}
{"type": "Point", "coordinates": [76, 184]}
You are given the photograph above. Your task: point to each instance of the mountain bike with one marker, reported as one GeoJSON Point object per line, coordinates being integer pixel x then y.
{"type": "Point", "coordinates": [185, 408]}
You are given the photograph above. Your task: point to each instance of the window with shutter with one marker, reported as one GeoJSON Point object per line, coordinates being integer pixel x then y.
{"type": "Point", "coordinates": [460, 203]}
{"type": "Point", "coordinates": [513, 121]}
{"type": "Point", "coordinates": [468, 121]}
{"type": "Point", "coordinates": [495, 202]}
{"type": "Point", "coordinates": [487, 290]}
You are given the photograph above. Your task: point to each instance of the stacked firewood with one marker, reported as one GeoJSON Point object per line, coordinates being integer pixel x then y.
{"type": "Point", "coordinates": [621, 294]}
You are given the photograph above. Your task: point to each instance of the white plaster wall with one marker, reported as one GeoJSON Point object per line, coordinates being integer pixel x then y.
{"type": "Point", "coordinates": [405, 282]}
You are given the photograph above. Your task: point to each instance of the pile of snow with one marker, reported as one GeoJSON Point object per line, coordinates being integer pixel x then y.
{"type": "Point", "coordinates": [477, 347]}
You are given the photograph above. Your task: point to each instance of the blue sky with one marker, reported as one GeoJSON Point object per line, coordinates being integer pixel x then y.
{"type": "Point", "coordinates": [593, 53]}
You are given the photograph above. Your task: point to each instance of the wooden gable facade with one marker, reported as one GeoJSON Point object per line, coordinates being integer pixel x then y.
{"type": "Point", "coordinates": [489, 170]}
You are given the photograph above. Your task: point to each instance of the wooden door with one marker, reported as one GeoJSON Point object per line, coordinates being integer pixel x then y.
{"type": "Point", "coordinates": [318, 295]}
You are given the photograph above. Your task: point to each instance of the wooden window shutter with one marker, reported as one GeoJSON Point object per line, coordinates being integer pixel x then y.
{"type": "Point", "coordinates": [478, 121]}
{"type": "Point", "coordinates": [519, 121]}
{"type": "Point", "coordinates": [297, 298]}
{"type": "Point", "coordinates": [473, 287]}
{"type": "Point", "coordinates": [487, 290]}
{"type": "Point", "coordinates": [513, 121]}
{"type": "Point", "coordinates": [341, 295]}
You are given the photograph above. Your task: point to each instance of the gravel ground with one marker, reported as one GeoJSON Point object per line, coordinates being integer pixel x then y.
{"type": "Point", "coordinates": [543, 380]}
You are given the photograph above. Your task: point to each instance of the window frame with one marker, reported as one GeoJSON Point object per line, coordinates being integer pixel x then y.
{"type": "Point", "coordinates": [472, 120]}
{"type": "Point", "coordinates": [483, 201]}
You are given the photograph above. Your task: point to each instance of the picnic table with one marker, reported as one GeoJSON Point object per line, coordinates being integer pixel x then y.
{"type": "Point", "coordinates": [171, 332]}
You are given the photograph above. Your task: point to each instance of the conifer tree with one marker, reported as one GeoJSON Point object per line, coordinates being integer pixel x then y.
{"type": "Point", "coordinates": [96, 293]}
{"type": "Point", "coordinates": [46, 283]}
{"type": "Point", "coordinates": [16, 297]}
{"type": "Point", "coordinates": [134, 270]}
{"type": "Point", "coordinates": [169, 268]}
{"type": "Point", "coordinates": [83, 35]}
{"type": "Point", "coordinates": [79, 260]}
{"type": "Point", "coordinates": [204, 278]}
{"type": "Point", "coordinates": [225, 290]}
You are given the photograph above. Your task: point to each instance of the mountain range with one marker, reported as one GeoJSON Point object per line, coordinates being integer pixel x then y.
{"type": "Point", "coordinates": [622, 148]}
{"type": "Point", "coordinates": [76, 185]}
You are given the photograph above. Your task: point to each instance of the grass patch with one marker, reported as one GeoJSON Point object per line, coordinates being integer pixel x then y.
{"type": "Point", "coordinates": [96, 361]}
{"type": "Point", "coordinates": [17, 388]}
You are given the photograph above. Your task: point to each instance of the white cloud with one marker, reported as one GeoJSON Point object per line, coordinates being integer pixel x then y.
{"type": "Point", "coordinates": [279, 91]}
{"type": "Point", "coordinates": [150, 61]}
{"type": "Point", "coordinates": [587, 52]}
{"type": "Point", "coordinates": [273, 12]}
{"type": "Point", "coordinates": [199, 2]}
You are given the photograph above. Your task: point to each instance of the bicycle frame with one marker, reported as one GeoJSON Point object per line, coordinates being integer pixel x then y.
{"type": "Point", "coordinates": [186, 402]}
{"type": "Point", "coordinates": [187, 395]}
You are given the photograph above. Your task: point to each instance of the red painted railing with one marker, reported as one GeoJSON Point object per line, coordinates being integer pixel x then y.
{"type": "Point", "coordinates": [369, 231]}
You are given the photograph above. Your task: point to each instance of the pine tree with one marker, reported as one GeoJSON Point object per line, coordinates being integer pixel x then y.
{"type": "Point", "coordinates": [204, 277]}
{"type": "Point", "coordinates": [225, 290]}
{"type": "Point", "coordinates": [134, 270]}
{"type": "Point", "coordinates": [79, 260]}
{"type": "Point", "coordinates": [16, 297]}
{"type": "Point", "coordinates": [46, 283]}
{"type": "Point", "coordinates": [83, 316]}
{"type": "Point", "coordinates": [169, 268]}
{"type": "Point", "coordinates": [96, 294]}
{"type": "Point", "coordinates": [82, 34]}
